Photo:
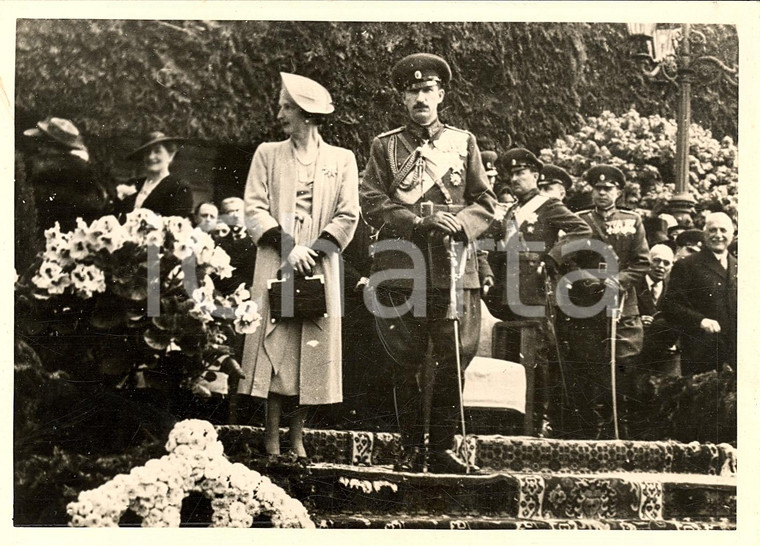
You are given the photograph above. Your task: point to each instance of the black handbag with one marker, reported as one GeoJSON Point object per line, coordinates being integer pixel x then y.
{"type": "Point", "coordinates": [297, 298]}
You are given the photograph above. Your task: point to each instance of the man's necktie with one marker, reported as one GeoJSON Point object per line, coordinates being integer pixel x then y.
{"type": "Point", "coordinates": [656, 290]}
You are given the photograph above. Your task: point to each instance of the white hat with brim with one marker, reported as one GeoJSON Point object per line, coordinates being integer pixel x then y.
{"type": "Point", "coordinates": [310, 96]}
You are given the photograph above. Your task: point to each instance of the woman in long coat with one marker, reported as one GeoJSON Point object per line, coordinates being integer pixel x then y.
{"type": "Point", "coordinates": [301, 193]}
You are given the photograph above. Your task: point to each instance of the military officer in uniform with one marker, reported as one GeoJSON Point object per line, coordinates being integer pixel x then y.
{"type": "Point", "coordinates": [489, 158]}
{"type": "Point", "coordinates": [554, 182]}
{"type": "Point", "coordinates": [489, 163]}
{"type": "Point", "coordinates": [622, 233]}
{"type": "Point", "coordinates": [425, 186]}
{"type": "Point", "coordinates": [528, 259]}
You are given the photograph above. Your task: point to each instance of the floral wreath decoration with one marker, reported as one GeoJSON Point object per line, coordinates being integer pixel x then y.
{"type": "Point", "coordinates": [195, 464]}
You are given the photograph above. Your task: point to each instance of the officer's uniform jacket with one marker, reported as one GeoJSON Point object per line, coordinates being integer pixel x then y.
{"type": "Point", "coordinates": [538, 219]}
{"type": "Point", "coordinates": [623, 232]}
{"type": "Point", "coordinates": [436, 165]}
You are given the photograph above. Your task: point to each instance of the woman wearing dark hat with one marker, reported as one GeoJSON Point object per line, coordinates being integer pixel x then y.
{"type": "Point", "coordinates": [58, 168]}
{"type": "Point", "coordinates": [158, 190]}
{"type": "Point", "coordinates": [301, 197]}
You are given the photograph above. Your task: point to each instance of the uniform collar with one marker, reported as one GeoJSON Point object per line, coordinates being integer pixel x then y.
{"type": "Point", "coordinates": [425, 132]}
{"type": "Point", "coordinates": [605, 213]}
{"type": "Point", "coordinates": [527, 197]}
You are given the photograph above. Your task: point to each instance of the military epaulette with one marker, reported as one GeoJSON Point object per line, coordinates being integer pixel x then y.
{"type": "Point", "coordinates": [584, 211]}
{"type": "Point", "coordinates": [392, 132]}
{"type": "Point", "coordinates": [630, 212]}
{"type": "Point", "coordinates": [456, 129]}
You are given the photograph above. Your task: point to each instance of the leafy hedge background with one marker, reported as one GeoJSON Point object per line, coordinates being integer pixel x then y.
{"type": "Point", "coordinates": [526, 83]}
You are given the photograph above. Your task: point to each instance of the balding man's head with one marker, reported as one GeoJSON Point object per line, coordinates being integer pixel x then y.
{"type": "Point", "coordinates": [660, 262]}
{"type": "Point", "coordinates": [719, 231]}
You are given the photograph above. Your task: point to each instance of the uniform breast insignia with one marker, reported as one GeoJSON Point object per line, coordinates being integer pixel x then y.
{"type": "Point", "coordinates": [530, 222]}
{"type": "Point", "coordinates": [625, 226]}
{"type": "Point", "coordinates": [450, 150]}
{"type": "Point", "coordinates": [500, 212]}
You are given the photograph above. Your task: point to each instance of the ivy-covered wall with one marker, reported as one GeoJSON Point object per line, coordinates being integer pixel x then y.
{"type": "Point", "coordinates": [524, 83]}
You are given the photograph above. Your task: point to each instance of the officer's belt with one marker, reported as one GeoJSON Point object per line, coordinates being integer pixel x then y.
{"type": "Point", "coordinates": [426, 208]}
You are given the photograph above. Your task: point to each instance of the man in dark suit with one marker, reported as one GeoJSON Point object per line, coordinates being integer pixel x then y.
{"type": "Point", "coordinates": [701, 300]}
{"type": "Point", "coordinates": [659, 354]}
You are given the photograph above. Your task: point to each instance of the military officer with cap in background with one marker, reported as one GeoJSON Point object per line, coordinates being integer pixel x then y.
{"type": "Point", "coordinates": [554, 182]}
{"type": "Point", "coordinates": [622, 234]}
{"type": "Point", "coordinates": [534, 231]}
{"type": "Point", "coordinates": [487, 281]}
{"type": "Point", "coordinates": [425, 185]}
{"type": "Point", "coordinates": [489, 158]}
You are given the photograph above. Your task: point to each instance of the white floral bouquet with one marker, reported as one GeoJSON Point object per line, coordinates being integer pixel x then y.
{"type": "Point", "coordinates": [195, 464]}
{"type": "Point", "coordinates": [140, 295]}
{"type": "Point", "coordinates": [644, 148]}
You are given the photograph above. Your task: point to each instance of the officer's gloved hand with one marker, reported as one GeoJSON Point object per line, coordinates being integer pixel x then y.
{"type": "Point", "coordinates": [486, 285]}
{"type": "Point", "coordinates": [440, 221]}
{"type": "Point", "coordinates": [588, 289]}
{"type": "Point", "coordinates": [613, 282]}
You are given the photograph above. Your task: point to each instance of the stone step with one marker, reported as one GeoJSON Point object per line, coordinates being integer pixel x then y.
{"type": "Point", "coordinates": [335, 489]}
{"type": "Point", "coordinates": [505, 453]}
{"type": "Point", "coordinates": [375, 521]}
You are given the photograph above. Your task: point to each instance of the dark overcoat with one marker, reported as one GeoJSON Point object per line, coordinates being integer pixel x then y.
{"type": "Point", "coordinates": [701, 288]}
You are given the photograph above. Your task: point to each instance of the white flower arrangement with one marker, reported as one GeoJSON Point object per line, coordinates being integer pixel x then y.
{"type": "Point", "coordinates": [195, 463]}
{"type": "Point", "coordinates": [106, 272]}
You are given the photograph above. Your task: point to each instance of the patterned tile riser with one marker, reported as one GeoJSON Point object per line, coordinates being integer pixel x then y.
{"type": "Point", "coordinates": [411, 522]}
{"type": "Point", "coordinates": [573, 456]}
{"type": "Point", "coordinates": [527, 496]}
{"type": "Point", "coordinates": [328, 446]}
{"type": "Point", "coordinates": [508, 453]}
{"type": "Point", "coordinates": [588, 498]}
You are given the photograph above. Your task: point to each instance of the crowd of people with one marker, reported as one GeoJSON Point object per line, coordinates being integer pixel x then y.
{"type": "Point", "coordinates": [428, 239]}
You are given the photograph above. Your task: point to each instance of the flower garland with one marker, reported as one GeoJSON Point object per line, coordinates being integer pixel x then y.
{"type": "Point", "coordinates": [195, 464]}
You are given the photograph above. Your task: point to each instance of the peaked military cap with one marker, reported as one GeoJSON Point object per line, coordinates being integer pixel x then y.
{"type": "Point", "coordinates": [489, 162]}
{"type": "Point", "coordinates": [605, 174]}
{"type": "Point", "coordinates": [419, 70]}
{"type": "Point", "coordinates": [519, 158]}
{"type": "Point", "coordinates": [551, 174]}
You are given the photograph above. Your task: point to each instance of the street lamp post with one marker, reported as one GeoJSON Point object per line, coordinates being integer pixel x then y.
{"type": "Point", "coordinates": [665, 48]}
